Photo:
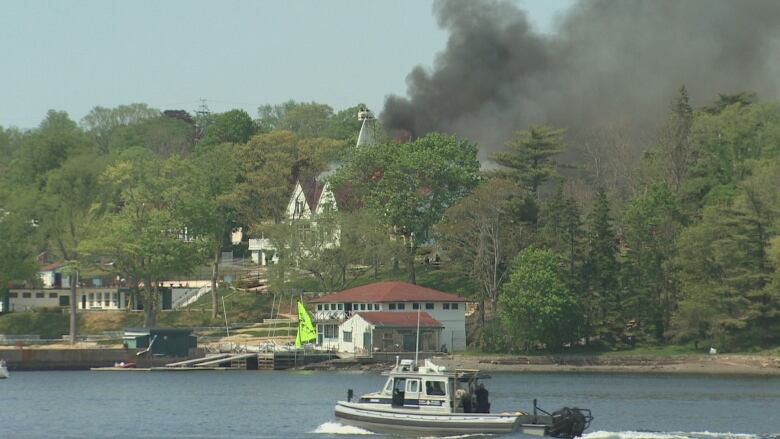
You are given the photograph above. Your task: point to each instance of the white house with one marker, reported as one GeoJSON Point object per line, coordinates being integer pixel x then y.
{"type": "Point", "coordinates": [388, 331]}
{"type": "Point", "coordinates": [309, 199]}
{"type": "Point", "coordinates": [334, 310]}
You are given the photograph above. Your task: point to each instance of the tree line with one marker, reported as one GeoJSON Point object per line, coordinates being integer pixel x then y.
{"type": "Point", "coordinates": [684, 247]}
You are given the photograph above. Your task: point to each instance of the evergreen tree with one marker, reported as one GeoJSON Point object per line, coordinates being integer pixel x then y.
{"type": "Point", "coordinates": [529, 156]}
{"type": "Point", "coordinates": [600, 275]}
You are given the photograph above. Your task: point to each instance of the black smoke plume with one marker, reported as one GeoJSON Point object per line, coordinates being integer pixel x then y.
{"type": "Point", "coordinates": [607, 61]}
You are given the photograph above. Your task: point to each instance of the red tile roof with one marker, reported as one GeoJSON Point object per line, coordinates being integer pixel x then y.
{"type": "Point", "coordinates": [392, 319]}
{"type": "Point", "coordinates": [382, 292]}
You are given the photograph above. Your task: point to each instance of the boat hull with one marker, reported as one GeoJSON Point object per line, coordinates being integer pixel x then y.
{"type": "Point", "coordinates": [403, 420]}
{"type": "Point", "coordinates": [3, 372]}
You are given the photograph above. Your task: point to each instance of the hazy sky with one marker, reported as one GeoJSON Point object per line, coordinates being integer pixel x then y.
{"type": "Point", "coordinates": [74, 55]}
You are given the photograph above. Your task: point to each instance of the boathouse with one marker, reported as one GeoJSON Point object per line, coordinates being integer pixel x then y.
{"type": "Point", "coordinates": [167, 342]}
{"type": "Point", "coordinates": [334, 310]}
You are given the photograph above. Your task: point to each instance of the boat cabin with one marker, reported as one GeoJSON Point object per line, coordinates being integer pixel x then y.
{"type": "Point", "coordinates": [433, 388]}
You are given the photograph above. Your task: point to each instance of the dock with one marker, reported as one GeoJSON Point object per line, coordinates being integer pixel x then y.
{"type": "Point", "coordinates": [278, 360]}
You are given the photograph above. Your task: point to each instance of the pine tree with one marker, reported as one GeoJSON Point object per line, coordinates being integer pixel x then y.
{"type": "Point", "coordinates": [529, 156]}
{"type": "Point", "coordinates": [601, 300]}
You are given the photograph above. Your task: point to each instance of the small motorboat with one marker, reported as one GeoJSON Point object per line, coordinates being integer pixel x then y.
{"type": "Point", "coordinates": [431, 400]}
{"type": "Point", "coordinates": [123, 365]}
{"type": "Point", "coordinates": [3, 369]}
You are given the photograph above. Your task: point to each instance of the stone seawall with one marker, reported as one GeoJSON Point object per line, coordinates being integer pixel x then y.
{"type": "Point", "coordinates": [76, 359]}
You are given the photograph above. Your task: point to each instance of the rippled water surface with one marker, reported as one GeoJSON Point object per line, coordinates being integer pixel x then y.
{"type": "Point", "coordinates": [300, 404]}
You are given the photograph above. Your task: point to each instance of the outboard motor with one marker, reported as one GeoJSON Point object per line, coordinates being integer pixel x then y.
{"type": "Point", "coordinates": [569, 422]}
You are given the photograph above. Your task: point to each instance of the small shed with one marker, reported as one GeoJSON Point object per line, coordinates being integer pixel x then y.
{"type": "Point", "coordinates": [389, 332]}
{"type": "Point", "coordinates": [164, 342]}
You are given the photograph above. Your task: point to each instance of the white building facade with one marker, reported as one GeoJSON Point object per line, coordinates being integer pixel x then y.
{"type": "Point", "coordinates": [333, 310]}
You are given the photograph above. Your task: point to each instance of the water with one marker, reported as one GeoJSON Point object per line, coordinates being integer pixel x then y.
{"type": "Point", "coordinates": [300, 404]}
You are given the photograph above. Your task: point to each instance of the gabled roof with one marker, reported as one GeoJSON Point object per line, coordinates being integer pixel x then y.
{"type": "Point", "coordinates": [389, 292]}
{"type": "Point", "coordinates": [312, 190]}
{"type": "Point", "coordinates": [52, 266]}
{"type": "Point", "coordinates": [391, 319]}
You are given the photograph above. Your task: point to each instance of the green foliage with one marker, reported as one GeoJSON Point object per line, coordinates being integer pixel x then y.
{"type": "Point", "coordinates": [600, 292]}
{"type": "Point", "coordinates": [480, 236]}
{"type": "Point", "coordinates": [101, 122]}
{"type": "Point", "coordinates": [537, 306]}
{"type": "Point", "coordinates": [529, 156]}
{"type": "Point", "coordinates": [410, 185]}
{"type": "Point", "coordinates": [234, 126]}
{"type": "Point", "coordinates": [652, 221]}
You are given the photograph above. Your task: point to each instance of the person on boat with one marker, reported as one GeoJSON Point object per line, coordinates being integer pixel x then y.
{"type": "Point", "coordinates": [483, 403]}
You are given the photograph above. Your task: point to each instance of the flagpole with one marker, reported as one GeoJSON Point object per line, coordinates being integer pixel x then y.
{"type": "Point", "coordinates": [417, 345]}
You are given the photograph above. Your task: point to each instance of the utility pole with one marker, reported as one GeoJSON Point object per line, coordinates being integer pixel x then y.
{"type": "Point", "coordinates": [202, 119]}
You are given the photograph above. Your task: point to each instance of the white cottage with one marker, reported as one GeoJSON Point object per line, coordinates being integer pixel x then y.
{"type": "Point", "coordinates": [386, 331]}
{"type": "Point", "coordinates": [334, 310]}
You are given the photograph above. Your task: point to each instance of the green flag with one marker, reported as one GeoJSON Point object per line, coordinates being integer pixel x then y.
{"type": "Point", "coordinates": [306, 331]}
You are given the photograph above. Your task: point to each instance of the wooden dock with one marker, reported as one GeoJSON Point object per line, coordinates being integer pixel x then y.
{"type": "Point", "coordinates": [279, 360]}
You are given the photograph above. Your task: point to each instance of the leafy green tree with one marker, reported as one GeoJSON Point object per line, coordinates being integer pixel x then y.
{"type": "Point", "coordinates": [214, 209]}
{"type": "Point", "coordinates": [46, 148]}
{"type": "Point", "coordinates": [145, 227]}
{"type": "Point", "coordinates": [410, 185]}
{"type": "Point", "coordinates": [652, 221]}
{"type": "Point", "coordinates": [529, 156]}
{"type": "Point", "coordinates": [536, 304]}
{"type": "Point", "coordinates": [724, 265]}
{"type": "Point", "coordinates": [270, 164]}
{"type": "Point", "coordinates": [17, 257]}
{"type": "Point", "coordinates": [234, 126]}
{"type": "Point", "coordinates": [65, 214]}
{"type": "Point", "coordinates": [100, 122]}
{"type": "Point", "coordinates": [165, 136]}
{"type": "Point", "coordinates": [481, 236]}
{"type": "Point", "coordinates": [601, 299]}
{"type": "Point", "coordinates": [304, 119]}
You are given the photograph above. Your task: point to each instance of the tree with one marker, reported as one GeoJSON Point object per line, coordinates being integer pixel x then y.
{"type": "Point", "coordinates": [724, 265]}
{"type": "Point", "coordinates": [410, 185]}
{"type": "Point", "coordinates": [101, 122]}
{"type": "Point", "coordinates": [601, 300]}
{"type": "Point", "coordinates": [561, 231]}
{"type": "Point", "coordinates": [214, 208]}
{"type": "Point", "coordinates": [536, 305]}
{"type": "Point", "coordinates": [164, 135]}
{"type": "Point", "coordinates": [270, 164]}
{"type": "Point", "coordinates": [529, 156]}
{"type": "Point", "coordinates": [145, 229]}
{"type": "Point", "coordinates": [304, 119]}
{"type": "Point", "coordinates": [652, 221]}
{"type": "Point", "coordinates": [234, 126]}
{"type": "Point", "coordinates": [481, 236]}
{"type": "Point", "coordinates": [17, 261]}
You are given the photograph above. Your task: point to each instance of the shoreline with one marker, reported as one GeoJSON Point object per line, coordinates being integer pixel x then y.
{"type": "Point", "coordinates": [693, 365]}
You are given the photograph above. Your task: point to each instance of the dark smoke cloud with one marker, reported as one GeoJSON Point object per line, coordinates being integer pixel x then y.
{"type": "Point", "coordinates": [608, 61]}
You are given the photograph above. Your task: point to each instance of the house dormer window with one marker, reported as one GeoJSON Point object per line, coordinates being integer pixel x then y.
{"type": "Point", "coordinates": [298, 207]}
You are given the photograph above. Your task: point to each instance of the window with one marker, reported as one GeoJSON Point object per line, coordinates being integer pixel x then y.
{"type": "Point", "coordinates": [340, 306]}
{"type": "Point", "coordinates": [413, 386]}
{"type": "Point", "coordinates": [40, 295]}
{"type": "Point", "coordinates": [13, 295]}
{"type": "Point", "coordinates": [415, 306]}
{"type": "Point", "coordinates": [52, 295]}
{"type": "Point", "coordinates": [428, 306]}
{"type": "Point", "coordinates": [434, 388]}
{"type": "Point", "coordinates": [319, 307]}
{"type": "Point", "coordinates": [330, 331]}
{"type": "Point", "coordinates": [347, 336]}
{"type": "Point", "coordinates": [362, 306]}
{"type": "Point", "coordinates": [26, 295]}
{"type": "Point", "coordinates": [64, 300]}
{"type": "Point", "coordinates": [392, 306]}
{"type": "Point", "coordinates": [401, 306]}
{"type": "Point", "coordinates": [454, 306]}
{"type": "Point", "coordinates": [445, 306]}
